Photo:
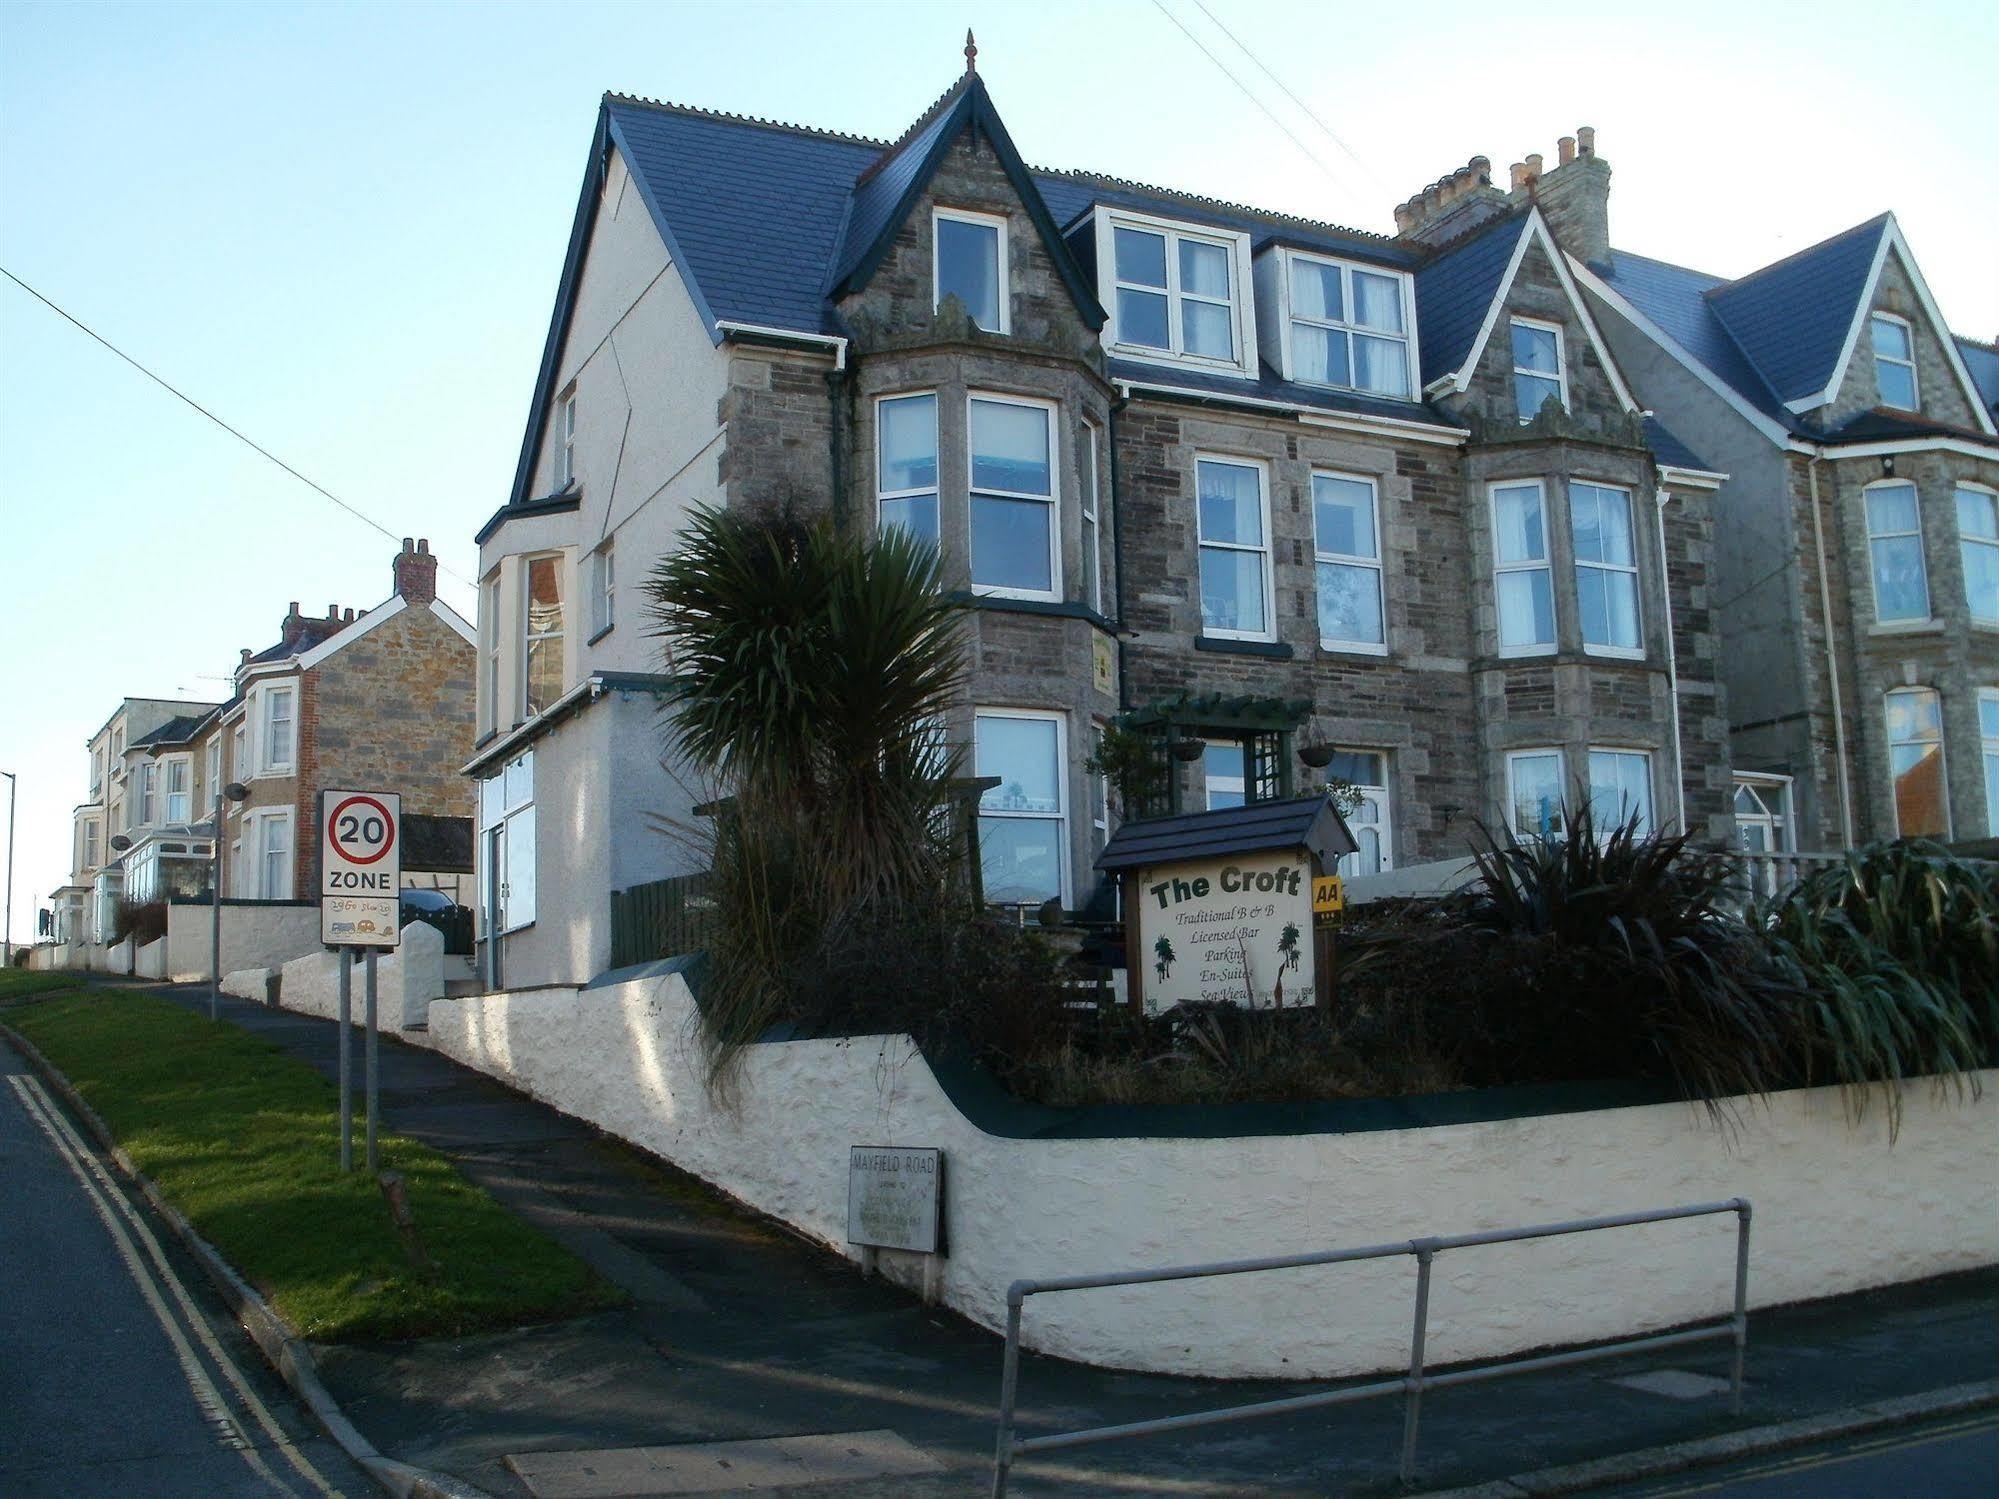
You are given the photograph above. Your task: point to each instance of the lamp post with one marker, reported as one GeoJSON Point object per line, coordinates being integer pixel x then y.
{"type": "Point", "coordinates": [235, 791]}
{"type": "Point", "coordinates": [7, 931]}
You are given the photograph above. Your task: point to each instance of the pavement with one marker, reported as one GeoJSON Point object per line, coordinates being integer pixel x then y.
{"type": "Point", "coordinates": [751, 1362]}
{"type": "Point", "coordinates": [120, 1370]}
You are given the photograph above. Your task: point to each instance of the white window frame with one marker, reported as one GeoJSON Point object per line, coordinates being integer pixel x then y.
{"type": "Point", "coordinates": [267, 699]}
{"type": "Point", "coordinates": [525, 636]}
{"type": "Point", "coordinates": [1561, 360]}
{"type": "Point", "coordinates": [239, 754]}
{"type": "Point", "coordinates": [1922, 551]}
{"type": "Point", "coordinates": [1092, 539]}
{"type": "Point", "coordinates": [1909, 364]}
{"type": "Point", "coordinates": [1988, 746]}
{"type": "Point", "coordinates": [1630, 570]}
{"type": "Point", "coordinates": [510, 825]}
{"type": "Point", "coordinates": [1625, 752]}
{"type": "Point", "coordinates": [93, 843]}
{"type": "Point", "coordinates": [603, 589]}
{"type": "Point", "coordinates": [1943, 757]}
{"type": "Point", "coordinates": [1265, 551]}
{"type": "Point", "coordinates": [1060, 817]}
{"type": "Point", "coordinates": [565, 439]}
{"type": "Point", "coordinates": [1320, 555]}
{"type": "Point", "coordinates": [934, 493]}
{"type": "Point", "coordinates": [261, 822]}
{"type": "Point", "coordinates": [1537, 752]}
{"type": "Point", "coordinates": [185, 765]}
{"type": "Point", "coordinates": [1991, 497]}
{"type": "Point", "coordinates": [1108, 221]}
{"type": "Point", "coordinates": [1053, 499]}
{"type": "Point", "coordinates": [1411, 356]}
{"type": "Point", "coordinates": [489, 646]}
{"type": "Point", "coordinates": [1546, 564]}
{"type": "Point", "coordinates": [213, 769]}
{"type": "Point", "coordinates": [1777, 819]}
{"type": "Point", "coordinates": [1100, 788]}
{"type": "Point", "coordinates": [149, 792]}
{"type": "Point", "coordinates": [998, 224]}
{"type": "Point", "coordinates": [96, 771]}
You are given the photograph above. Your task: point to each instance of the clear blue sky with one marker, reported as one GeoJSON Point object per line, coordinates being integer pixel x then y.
{"type": "Point", "coordinates": [340, 226]}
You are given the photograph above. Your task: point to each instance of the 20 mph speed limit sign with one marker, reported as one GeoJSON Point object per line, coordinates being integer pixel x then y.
{"type": "Point", "coordinates": [360, 868]}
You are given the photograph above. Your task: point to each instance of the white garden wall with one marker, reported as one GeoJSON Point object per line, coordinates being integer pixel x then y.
{"type": "Point", "coordinates": [406, 980]}
{"type": "Point", "coordinates": [1837, 1208]}
{"type": "Point", "coordinates": [255, 934]}
{"type": "Point", "coordinates": [150, 961]}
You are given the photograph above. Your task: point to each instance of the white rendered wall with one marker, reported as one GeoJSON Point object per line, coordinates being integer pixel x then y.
{"type": "Point", "coordinates": [253, 936]}
{"type": "Point", "coordinates": [1836, 1207]}
{"type": "Point", "coordinates": [407, 979]}
{"type": "Point", "coordinates": [150, 961]}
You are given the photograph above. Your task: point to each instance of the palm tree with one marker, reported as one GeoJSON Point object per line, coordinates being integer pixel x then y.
{"type": "Point", "coordinates": [813, 669]}
{"type": "Point", "coordinates": [1287, 944]}
{"type": "Point", "coordinates": [1163, 950]}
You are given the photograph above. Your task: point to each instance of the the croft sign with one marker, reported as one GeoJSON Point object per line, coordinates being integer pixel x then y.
{"type": "Point", "coordinates": [1233, 930]}
{"type": "Point", "coordinates": [360, 868]}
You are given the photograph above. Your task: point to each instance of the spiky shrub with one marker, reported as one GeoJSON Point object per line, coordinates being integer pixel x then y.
{"type": "Point", "coordinates": [814, 669]}
{"type": "Point", "coordinates": [1897, 950]}
{"type": "Point", "coordinates": [1640, 967]}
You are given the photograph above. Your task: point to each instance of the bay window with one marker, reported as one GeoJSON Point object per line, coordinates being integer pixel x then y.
{"type": "Point", "coordinates": [1523, 580]}
{"type": "Point", "coordinates": [269, 874]}
{"type": "Point", "coordinates": [1015, 550]}
{"type": "Point", "coordinates": [906, 465]}
{"type": "Point", "coordinates": [1534, 793]}
{"type": "Point", "coordinates": [1620, 789]}
{"type": "Point", "coordinates": [1895, 551]}
{"type": "Point", "coordinates": [276, 726]}
{"type": "Point", "coordinates": [180, 789]}
{"type": "Point", "coordinates": [1347, 550]}
{"type": "Point", "coordinates": [1978, 545]}
{"type": "Point", "coordinates": [1093, 555]}
{"type": "Point", "coordinates": [1988, 744]}
{"type": "Point", "coordinates": [1232, 520]}
{"type": "Point", "coordinates": [1606, 568]}
{"type": "Point", "coordinates": [90, 843]}
{"type": "Point", "coordinates": [1348, 326]}
{"type": "Point", "coordinates": [541, 634]}
{"type": "Point", "coordinates": [1894, 360]}
{"type": "Point", "coordinates": [970, 264]}
{"type": "Point", "coordinates": [149, 784]}
{"type": "Point", "coordinates": [1175, 292]}
{"type": "Point", "coordinates": [1538, 371]}
{"type": "Point", "coordinates": [489, 649]}
{"type": "Point", "coordinates": [214, 770]}
{"type": "Point", "coordinates": [1916, 764]}
{"type": "Point", "coordinates": [1023, 821]}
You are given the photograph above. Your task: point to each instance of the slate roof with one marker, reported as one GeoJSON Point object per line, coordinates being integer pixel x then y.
{"type": "Point", "coordinates": [311, 632]}
{"type": "Point", "coordinates": [176, 730]}
{"type": "Point", "coordinates": [1982, 360]}
{"type": "Point", "coordinates": [1301, 822]}
{"type": "Point", "coordinates": [1791, 318]}
{"type": "Point", "coordinates": [1454, 291]}
{"type": "Point", "coordinates": [1670, 451]}
{"type": "Point", "coordinates": [1675, 298]}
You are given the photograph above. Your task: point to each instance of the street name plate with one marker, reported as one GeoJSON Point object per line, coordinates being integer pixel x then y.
{"type": "Point", "coordinates": [895, 1197]}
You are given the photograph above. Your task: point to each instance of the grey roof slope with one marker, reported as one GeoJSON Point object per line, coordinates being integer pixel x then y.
{"type": "Point", "coordinates": [1675, 299]}
{"type": "Point", "coordinates": [1260, 827]}
{"type": "Point", "coordinates": [176, 730]}
{"type": "Point", "coordinates": [1454, 291]}
{"type": "Point", "coordinates": [1670, 451]}
{"type": "Point", "coordinates": [1982, 361]}
{"type": "Point", "coordinates": [1791, 318]}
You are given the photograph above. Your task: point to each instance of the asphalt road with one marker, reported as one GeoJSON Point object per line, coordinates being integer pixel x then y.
{"type": "Point", "coordinates": [1953, 1459]}
{"type": "Point", "coordinates": [120, 1372]}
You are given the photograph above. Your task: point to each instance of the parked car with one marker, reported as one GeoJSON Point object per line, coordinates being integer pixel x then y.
{"type": "Point", "coordinates": [438, 909]}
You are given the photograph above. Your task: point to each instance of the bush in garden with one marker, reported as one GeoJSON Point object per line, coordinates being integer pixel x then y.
{"type": "Point", "coordinates": [144, 921]}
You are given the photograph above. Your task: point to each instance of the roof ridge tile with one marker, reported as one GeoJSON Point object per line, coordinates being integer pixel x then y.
{"type": "Point", "coordinates": [728, 117]}
{"type": "Point", "coordinates": [1105, 179]}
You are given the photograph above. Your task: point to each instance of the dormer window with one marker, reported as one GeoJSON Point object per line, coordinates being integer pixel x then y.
{"type": "Point", "coordinates": [1348, 325]}
{"type": "Point", "coordinates": [971, 264]}
{"type": "Point", "coordinates": [1894, 360]}
{"type": "Point", "coordinates": [1538, 371]}
{"type": "Point", "coordinates": [1175, 293]}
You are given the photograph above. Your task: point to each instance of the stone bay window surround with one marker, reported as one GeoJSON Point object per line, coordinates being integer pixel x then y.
{"type": "Point", "coordinates": [1221, 474]}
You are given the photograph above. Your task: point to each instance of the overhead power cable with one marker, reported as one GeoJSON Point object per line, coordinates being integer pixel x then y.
{"type": "Point", "coordinates": [244, 438]}
{"type": "Point", "coordinates": [1249, 93]}
{"type": "Point", "coordinates": [1310, 113]}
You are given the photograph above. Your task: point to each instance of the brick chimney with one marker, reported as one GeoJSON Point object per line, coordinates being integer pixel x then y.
{"type": "Point", "coordinates": [1574, 197]}
{"type": "Point", "coordinates": [416, 571]}
{"type": "Point", "coordinates": [1452, 205]}
{"type": "Point", "coordinates": [294, 628]}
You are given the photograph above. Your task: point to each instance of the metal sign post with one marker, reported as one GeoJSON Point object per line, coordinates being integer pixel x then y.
{"type": "Point", "coordinates": [360, 907]}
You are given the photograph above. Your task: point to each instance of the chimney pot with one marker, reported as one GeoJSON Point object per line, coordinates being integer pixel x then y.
{"type": "Point", "coordinates": [1533, 166]}
{"type": "Point", "coordinates": [407, 543]}
{"type": "Point", "coordinates": [333, 611]}
{"type": "Point", "coordinates": [1565, 150]}
{"type": "Point", "coordinates": [423, 543]}
{"type": "Point", "coordinates": [294, 608]}
{"type": "Point", "coordinates": [245, 655]}
{"type": "Point", "coordinates": [1519, 174]}
{"type": "Point", "coordinates": [1586, 139]}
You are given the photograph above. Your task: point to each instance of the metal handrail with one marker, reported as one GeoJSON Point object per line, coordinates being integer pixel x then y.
{"type": "Point", "coordinates": [1411, 1385]}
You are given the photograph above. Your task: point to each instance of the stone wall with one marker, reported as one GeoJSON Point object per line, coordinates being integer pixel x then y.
{"type": "Point", "coordinates": [1937, 385]}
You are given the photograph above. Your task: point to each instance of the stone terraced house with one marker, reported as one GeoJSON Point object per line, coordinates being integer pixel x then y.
{"type": "Point", "coordinates": [1856, 569]}
{"type": "Point", "coordinates": [1251, 483]}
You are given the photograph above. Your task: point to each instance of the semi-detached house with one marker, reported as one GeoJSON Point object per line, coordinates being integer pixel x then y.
{"type": "Point", "coordinates": [1250, 481]}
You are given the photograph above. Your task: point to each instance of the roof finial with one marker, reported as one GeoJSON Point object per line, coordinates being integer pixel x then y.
{"type": "Point", "coordinates": [971, 52]}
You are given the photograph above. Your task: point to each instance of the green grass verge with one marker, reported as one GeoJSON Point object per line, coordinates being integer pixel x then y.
{"type": "Point", "coordinates": [242, 1139]}
{"type": "Point", "coordinates": [19, 983]}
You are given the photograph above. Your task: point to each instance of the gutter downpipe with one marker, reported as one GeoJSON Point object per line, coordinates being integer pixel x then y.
{"type": "Point", "coordinates": [1831, 655]}
{"type": "Point", "coordinates": [1672, 663]}
{"type": "Point", "coordinates": [1117, 535]}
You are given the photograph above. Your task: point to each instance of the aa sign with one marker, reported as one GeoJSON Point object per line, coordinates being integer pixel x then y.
{"type": "Point", "coordinates": [360, 868]}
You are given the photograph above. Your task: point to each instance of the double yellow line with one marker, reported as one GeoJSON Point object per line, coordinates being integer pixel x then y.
{"type": "Point", "coordinates": [128, 1231]}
